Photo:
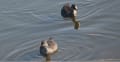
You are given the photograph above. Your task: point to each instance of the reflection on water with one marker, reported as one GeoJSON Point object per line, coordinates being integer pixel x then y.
{"type": "Point", "coordinates": [48, 59]}
{"type": "Point", "coordinates": [76, 23]}
{"type": "Point", "coordinates": [23, 24]}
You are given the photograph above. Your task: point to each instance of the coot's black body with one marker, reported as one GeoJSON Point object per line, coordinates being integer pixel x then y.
{"type": "Point", "coordinates": [69, 11]}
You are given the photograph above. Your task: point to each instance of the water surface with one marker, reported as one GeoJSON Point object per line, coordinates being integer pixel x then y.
{"type": "Point", "coordinates": [24, 23]}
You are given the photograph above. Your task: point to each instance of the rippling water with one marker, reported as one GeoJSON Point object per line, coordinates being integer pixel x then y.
{"type": "Point", "coordinates": [24, 23]}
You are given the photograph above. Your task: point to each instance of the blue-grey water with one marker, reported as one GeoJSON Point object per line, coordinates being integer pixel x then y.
{"type": "Point", "coordinates": [24, 23]}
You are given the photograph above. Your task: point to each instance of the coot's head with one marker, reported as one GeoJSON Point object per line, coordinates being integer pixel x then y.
{"type": "Point", "coordinates": [74, 7]}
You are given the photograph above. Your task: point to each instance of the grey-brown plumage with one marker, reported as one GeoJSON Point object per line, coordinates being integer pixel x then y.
{"type": "Point", "coordinates": [48, 47]}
